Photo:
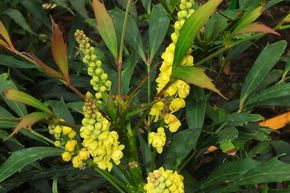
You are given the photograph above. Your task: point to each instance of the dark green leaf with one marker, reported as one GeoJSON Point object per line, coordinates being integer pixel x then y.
{"type": "Point", "coordinates": [22, 158]}
{"type": "Point", "coordinates": [262, 66]}
{"type": "Point", "coordinates": [132, 34]}
{"type": "Point", "coordinates": [272, 93]}
{"type": "Point", "coordinates": [240, 118]}
{"type": "Point", "coordinates": [61, 110]}
{"type": "Point", "coordinates": [80, 7]}
{"type": "Point", "coordinates": [12, 62]}
{"type": "Point", "coordinates": [19, 19]}
{"type": "Point", "coordinates": [127, 73]}
{"type": "Point", "coordinates": [158, 26]}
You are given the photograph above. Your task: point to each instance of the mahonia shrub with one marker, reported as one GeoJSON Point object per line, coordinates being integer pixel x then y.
{"type": "Point", "coordinates": [144, 121]}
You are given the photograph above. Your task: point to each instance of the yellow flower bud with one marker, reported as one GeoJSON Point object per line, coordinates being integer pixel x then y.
{"type": "Point", "coordinates": [66, 130]}
{"type": "Point", "coordinates": [66, 156]}
{"type": "Point", "coordinates": [57, 143]}
{"type": "Point", "coordinates": [70, 145]}
{"type": "Point", "coordinates": [77, 162]}
{"type": "Point", "coordinates": [72, 134]}
{"type": "Point", "coordinates": [176, 104]}
{"type": "Point", "coordinates": [156, 110]}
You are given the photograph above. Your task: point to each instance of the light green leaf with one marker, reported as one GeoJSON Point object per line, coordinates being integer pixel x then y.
{"type": "Point", "coordinates": [191, 28]}
{"type": "Point", "coordinates": [106, 27]}
{"type": "Point", "coordinates": [25, 157]}
{"type": "Point", "coordinates": [22, 97]}
{"type": "Point", "coordinates": [262, 66]}
{"type": "Point", "coordinates": [196, 76]}
{"type": "Point", "coordinates": [248, 18]}
{"type": "Point", "coordinates": [18, 108]}
{"type": "Point", "coordinates": [19, 19]}
{"type": "Point", "coordinates": [158, 25]}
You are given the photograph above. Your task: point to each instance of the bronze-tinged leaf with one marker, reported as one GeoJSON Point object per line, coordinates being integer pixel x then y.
{"type": "Point", "coordinates": [106, 27]}
{"type": "Point", "coordinates": [32, 58]}
{"type": "Point", "coordinates": [22, 97]}
{"type": "Point", "coordinates": [59, 51]}
{"type": "Point", "coordinates": [29, 120]}
{"type": "Point", "coordinates": [196, 76]}
{"type": "Point", "coordinates": [5, 35]}
{"type": "Point", "coordinates": [256, 27]}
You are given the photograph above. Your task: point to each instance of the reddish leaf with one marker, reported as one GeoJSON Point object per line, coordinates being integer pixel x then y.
{"type": "Point", "coordinates": [59, 51]}
{"type": "Point", "coordinates": [256, 27]}
{"type": "Point", "coordinates": [29, 120]}
{"type": "Point", "coordinates": [32, 58]}
{"type": "Point", "coordinates": [5, 35]}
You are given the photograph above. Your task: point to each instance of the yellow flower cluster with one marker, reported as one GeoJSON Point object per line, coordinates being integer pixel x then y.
{"type": "Point", "coordinates": [179, 89]}
{"type": "Point", "coordinates": [164, 181]}
{"type": "Point", "coordinates": [99, 79]}
{"type": "Point", "coordinates": [157, 139]}
{"type": "Point", "coordinates": [65, 136]}
{"type": "Point", "coordinates": [102, 144]}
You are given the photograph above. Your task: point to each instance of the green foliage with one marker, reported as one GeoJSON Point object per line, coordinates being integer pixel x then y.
{"type": "Point", "coordinates": [220, 145]}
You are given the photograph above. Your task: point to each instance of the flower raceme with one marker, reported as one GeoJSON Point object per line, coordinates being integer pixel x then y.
{"type": "Point", "coordinates": [178, 90]}
{"type": "Point", "coordinates": [164, 181]}
{"type": "Point", "coordinates": [102, 144]}
{"type": "Point", "coordinates": [99, 81]}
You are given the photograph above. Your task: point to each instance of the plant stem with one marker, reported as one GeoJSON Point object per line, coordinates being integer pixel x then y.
{"type": "Point", "coordinates": [114, 181]}
{"type": "Point", "coordinates": [41, 136]}
{"type": "Point", "coordinates": [120, 56]}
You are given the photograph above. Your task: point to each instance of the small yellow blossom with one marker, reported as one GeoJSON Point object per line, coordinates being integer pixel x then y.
{"type": "Point", "coordinates": [66, 156]}
{"type": "Point", "coordinates": [70, 145]}
{"type": "Point", "coordinates": [57, 143]}
{"type": "Point", "coordinates": [157, 139]}
{"type": "Point", "coordinates": [176, 104]}
{"type": "Point", "coordinates": [66, 130]}
{"type": "Point", "coordinates": [172, 121]}
{"type": "Point", "coordinates": [164, 181]}
{"type": "Point", "coordinates": [156, 110]}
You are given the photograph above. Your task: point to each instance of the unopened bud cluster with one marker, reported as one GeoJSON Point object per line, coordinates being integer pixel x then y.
{"type": "Point", "coordinates": [164, 181]}
{"type": "Point", "coordinates": [178, 90]}
{"type": "Point", "coordinates": [65, 136]}
{"type": "Point", "coordinates": [103, 144]}
{"type": "Point", "coordinates": [99, 81]}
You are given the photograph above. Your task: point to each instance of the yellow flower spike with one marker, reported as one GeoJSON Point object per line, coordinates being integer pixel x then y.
{"type": "Point", "coordinates": [176, 104]}
{"type": "Point", "coordinates": [157, 139]}
{"type": "Point", "coordinates": [66, 156]}
{"type": "Point", "coordinates": [164, 181]}
{"type": "Point", "coordinates": [70, 145]}
{"type": "Point", "coordinates": [156, 110]}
